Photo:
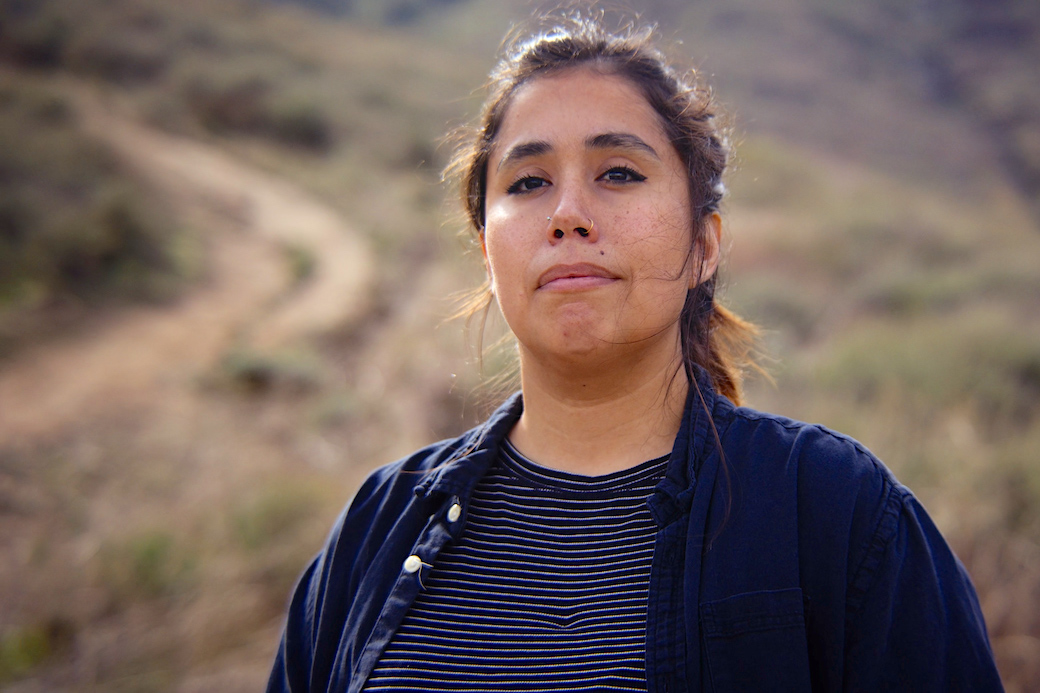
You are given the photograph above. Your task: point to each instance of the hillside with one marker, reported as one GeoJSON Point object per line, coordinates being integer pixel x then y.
{"type": "Point", "coordinates": [175, 446]}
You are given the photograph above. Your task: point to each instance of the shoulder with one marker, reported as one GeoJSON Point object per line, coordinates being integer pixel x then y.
{"type": "Point", "coordinates": [383, 496]}
{"type": "Point", "coordinates": [849, 503]}
{"type": "Point", "coordinates": [406, 472]}
{"type": "Point", "coordinates": [387, 504]}
{"type": "Point", "coordinates": [886, 601]}
{"type": "Point", "coordinates": [824, 461]}
{"type": "Point", "coordinates": [447, 466]}
{"type": "Point", "coordinates": [395, 484]}
{"type": "Point", "coordinates": [363, 552]}
{"type": "Point", "coordinates": [856, 522]}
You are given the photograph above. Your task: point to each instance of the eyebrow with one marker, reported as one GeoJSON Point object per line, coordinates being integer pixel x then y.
{"type": "Point", "coordinates": [607, 140]}
{"type": "Point", "coordinates": [620, 140]}
{"type": "Point", "coordinates": [524, 150]}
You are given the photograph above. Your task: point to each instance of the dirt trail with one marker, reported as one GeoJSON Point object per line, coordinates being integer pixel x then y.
{"type": "Point", "coordinates": [248, 218]}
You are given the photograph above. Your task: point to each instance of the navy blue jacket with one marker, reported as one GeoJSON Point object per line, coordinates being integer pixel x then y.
{"type": "Point", "coordinates": [787, 558]}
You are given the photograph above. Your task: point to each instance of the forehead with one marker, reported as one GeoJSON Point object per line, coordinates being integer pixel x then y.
{"type": "Point", "coordinates": [574, 104]}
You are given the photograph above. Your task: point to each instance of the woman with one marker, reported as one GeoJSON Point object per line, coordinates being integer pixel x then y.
{"type": "Point", "coordinates": [622, 524]}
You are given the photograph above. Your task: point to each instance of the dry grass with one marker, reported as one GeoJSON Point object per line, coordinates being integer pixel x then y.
{"type": "Point", "coordinates": [151, 544]}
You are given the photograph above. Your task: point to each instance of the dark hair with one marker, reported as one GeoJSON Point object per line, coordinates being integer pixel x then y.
{"type": "Point", "coordinates": [711, 336]}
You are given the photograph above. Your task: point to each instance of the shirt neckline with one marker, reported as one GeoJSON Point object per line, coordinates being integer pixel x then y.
{"type": "Point", "coordinates": [523, 467]}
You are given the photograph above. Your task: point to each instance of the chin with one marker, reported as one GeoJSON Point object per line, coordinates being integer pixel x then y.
{"type": "Point", "coordinates": [569, 350]}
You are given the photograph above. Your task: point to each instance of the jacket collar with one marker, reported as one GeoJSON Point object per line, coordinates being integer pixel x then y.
{"type": "Point", "coordinates": [698, 437]}
{"type": "Point", "coordinates": [474, 453]}
{"type": "Point", "coordinates": [698, 440]}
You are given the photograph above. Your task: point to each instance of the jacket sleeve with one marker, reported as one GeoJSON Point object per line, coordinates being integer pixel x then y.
{"type": "Point", "coordinates": [913, 618]}
{"type": "Point", "coordinates": [291, 670]}
{"type": "Point", "coordinates": [307, 649]}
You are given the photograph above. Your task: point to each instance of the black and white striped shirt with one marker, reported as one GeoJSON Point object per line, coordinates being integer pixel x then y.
{"type": "Point", "coordinates": [545, 590]}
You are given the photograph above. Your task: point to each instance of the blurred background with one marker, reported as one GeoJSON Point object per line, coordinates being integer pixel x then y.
{"type": "Point", "coordinates": [226, 261]}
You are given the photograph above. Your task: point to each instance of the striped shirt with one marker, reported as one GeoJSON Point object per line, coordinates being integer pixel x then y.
{"type": "Point", "coordinates": [545, 590]}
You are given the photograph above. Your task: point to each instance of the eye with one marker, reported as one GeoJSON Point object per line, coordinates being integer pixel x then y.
{"type": "Point", "coordinates": [622, 174]}
{"type": "Point", "coordinates": [526, 184]}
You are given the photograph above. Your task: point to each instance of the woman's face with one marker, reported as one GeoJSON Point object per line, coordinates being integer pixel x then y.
{"type": "Point", "coordinates": [583, 151]}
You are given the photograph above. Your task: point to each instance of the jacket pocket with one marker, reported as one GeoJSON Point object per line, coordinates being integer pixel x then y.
{"type": "Point", "coordinates": [756, 642]}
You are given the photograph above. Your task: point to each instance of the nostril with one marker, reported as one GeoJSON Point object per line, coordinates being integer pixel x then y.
{"type": "Point", "coordinates": [558, 233]}
{"type": "Point", "coordinates": [583, 232]}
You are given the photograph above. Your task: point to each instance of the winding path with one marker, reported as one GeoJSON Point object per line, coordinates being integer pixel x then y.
{"type": "Point", "coordinates": [247, 218]}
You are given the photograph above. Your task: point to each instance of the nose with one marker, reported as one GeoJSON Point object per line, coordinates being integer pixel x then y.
{"type": "Point", "coordinates": [581, 227]}
{"type": "Point", "coordinates": [570, 216]}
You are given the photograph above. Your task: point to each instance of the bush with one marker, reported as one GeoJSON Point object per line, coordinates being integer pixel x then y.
{"type": "Point", "coordinates": [258, 373]}
{"type": "Point", "coordinates": [125, 57]}
{"type": "Point", "coordinates": [980, 358]}
{"type": "Point", "coordinates": [300, 123]}
{"type": "Point", "coordinates": [250, 103]}
{"type": "Point", "coordinates": [24, 648]}
{"type": "Point", "coordinates": [238, 106]}
{"type": "Point", "coordinates": [21, 650]}
{"type": "Point", "coordinates": [275, 514]}
{"type": "Point", "coordinates": [73, 223]}
{"type": "Point", "coordinates": [148, 565]}
{"type": "Point", "coordinates": [32, 36]}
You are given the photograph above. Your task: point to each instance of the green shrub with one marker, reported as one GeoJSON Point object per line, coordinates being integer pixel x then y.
{"type": "Point", "coordinates": [273, 515]}
{"type": "Point", "coordinates": [259, 99]}
{"type": "Point", "coordinates": [980, 358]}
{"type": "Point", "coordinates": [73, 223]}
{"type": "Point", "coordinates": [301, 262]}
{"type": "Point", "coordinates": [257, 372]}
{"type": "Point", "coordinates": [147, 565]}
{"type": "Point", "coordinates": [21, 650]}
{"type": "Point", "coordinates": [299, 122]}
{"type": "Point", "coordinates": [24, 648]}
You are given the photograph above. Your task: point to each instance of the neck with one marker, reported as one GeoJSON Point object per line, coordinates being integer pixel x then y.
{"type": "Point", "coordinates": [600, 420]}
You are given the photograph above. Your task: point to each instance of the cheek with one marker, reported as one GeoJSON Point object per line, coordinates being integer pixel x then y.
{"type": "Point", "coordinates": [492, 242]}
{"type": "Point", "coordinates": [661, 249]}
{"type": "Point", "coordinates": [502, 257]}
{"type": "Point", "coordinates": [510, 240]}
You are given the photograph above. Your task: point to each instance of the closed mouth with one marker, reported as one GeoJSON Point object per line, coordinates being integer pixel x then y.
{"type": "Point", "coordinates": [579, 271]}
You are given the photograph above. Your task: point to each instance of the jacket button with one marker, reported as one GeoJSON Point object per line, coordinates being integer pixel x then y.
{"type": "Point", "coordinates": [454, 513]}
{"type": "Point", "coordinates": [412, 564]}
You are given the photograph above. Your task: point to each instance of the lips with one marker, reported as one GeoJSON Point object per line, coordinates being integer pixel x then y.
{"type": "Point", "coordinates": [577, 276]}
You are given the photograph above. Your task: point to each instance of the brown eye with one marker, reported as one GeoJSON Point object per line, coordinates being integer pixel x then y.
{"type": "Point", "coordinates": [623, 174]}
{"type": "Point", "coordinates": [526, 184]}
